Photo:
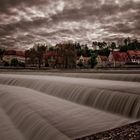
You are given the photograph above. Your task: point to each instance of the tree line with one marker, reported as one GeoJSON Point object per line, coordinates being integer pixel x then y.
{"type": "Point", "coordinates": [66, 54]}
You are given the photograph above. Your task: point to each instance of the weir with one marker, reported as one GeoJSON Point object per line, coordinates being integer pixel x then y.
{"type": "Point", "coordinates": [113, 96]}
{"type": "Point", "coordinates": [53, 107]}
{"type": "Point", "coordinates": [134, 77]}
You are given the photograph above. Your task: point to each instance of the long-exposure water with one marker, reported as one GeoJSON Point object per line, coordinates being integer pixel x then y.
{"type": "Point", "coordinates": [60, 108]}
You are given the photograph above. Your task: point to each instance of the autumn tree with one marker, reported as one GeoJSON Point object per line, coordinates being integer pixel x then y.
{"type": "Point", "coordinates": [68, 52]}
{"type": "Point", "coordinates": [41, 49]}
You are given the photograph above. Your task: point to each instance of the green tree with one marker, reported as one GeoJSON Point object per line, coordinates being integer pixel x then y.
{"type": "Point", "coordinates": [51, 49]}
{"type": "Point", "coordinates": [136, 44]}
{"type": "Point", "coordinates": [123, 48]}
{"type": "Point", "coordinates": [93, 61]}
{"type": "Point", "coordinates": [104, 52]}
{"type": "Point", "coordinates": [21, 64]}
{"type": "Point", "coordinates": [113, 45]}
{"type": "Point", "coordinates": [14, 62]}
{"type": "Point", "coordinates": [2, 51]}
{"type": "Point", "coordinates": [130, 45]}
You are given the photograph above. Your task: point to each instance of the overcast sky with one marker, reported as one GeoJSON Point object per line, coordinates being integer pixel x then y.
{"type": "Point", "coordinates": [24, 22]}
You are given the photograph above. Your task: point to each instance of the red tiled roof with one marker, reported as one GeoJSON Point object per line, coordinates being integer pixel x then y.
{"type": "Point", "coordinates": [120, 56]}
{"type": "Point", "coordinates": [51, 53]}
{"type": "Point", "coordinates": [20, 53]}
{"type": "Point", "coordinates": [10, 52]}
{"type": "Point", "coordinates": [14, 52]}
{"type": "Point", "coordinates": [133, 53]}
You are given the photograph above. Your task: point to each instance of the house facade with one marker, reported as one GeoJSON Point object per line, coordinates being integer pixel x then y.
{"type": "Point", "coordinates": [118, 59]}
{"type": "Point", "coordinates": [50, 58]}
{"type": "Point", "coordinates": [13, 54]}
{"type": "Point", "coordinates": [134, 56]}
{"type": "Point", "coordinates": [102, 61]}
{"type": "Point", "coordinates": [83, 61]}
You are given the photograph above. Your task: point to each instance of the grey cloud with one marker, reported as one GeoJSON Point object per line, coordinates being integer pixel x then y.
{"type": "Point", "coordinates": [5, 4]}
{"type": "Point", "coordinates": [28, 21]}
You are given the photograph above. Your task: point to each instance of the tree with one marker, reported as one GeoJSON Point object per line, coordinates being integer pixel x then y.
{"type": "Point", "coordinates": [93, 61]}
{"type": "Point", "coordinates": [68, 52]}
{"type": "Point", "coordinates": [127, 41]}
{"type": "Point", "coordinates": [2, 51]}
{"type": "Point", "coordinates": [136, 44]}
{"type": "Point", "coordinates": [27, 56]}
{"type": "Point", "coordinates": [21, 64]}
{"type": "Point", "coordinates": [123, 48]}
{"type": "Point", "coordinates": [41, 49]}
{"type": "Point", "coordinates": [104, 52]}
{"type": "Point", "coordinates": [86, 51]}
{"type": "Point", "coordinates": [14, 62]}
{"type": "Point", "coordinates": [51, 49]}
{"type": "Point", "coordinates": [6, 63]}
{"type": "Point", "coordinates": [30, 56]}
{"type": "Point", "coordinates": [130, 45]}
{"type": "Point", "coordinates": [113, 45]}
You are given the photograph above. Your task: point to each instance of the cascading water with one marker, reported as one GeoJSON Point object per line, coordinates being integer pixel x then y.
{"type": "Point", "coordinates": [110, 76]}
{"type": "Point", "coordinates": [113, 96]}
{"type": "Point", "coordinates": [51, 107]}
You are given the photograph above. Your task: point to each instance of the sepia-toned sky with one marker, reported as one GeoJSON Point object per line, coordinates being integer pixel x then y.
{"type": "Point", "coordinates": [24, 22]}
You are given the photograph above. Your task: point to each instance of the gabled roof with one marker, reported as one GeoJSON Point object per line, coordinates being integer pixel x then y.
{"type": "Point", "coordinates": [20, 53]}
{"type": "Point", "coordinates": [133, 53]}
{"type": "Point", "coordinates": [10, 52]}
{"type": "Point", "coordinates": [14, 52]}
{"type": "Point", "coordinates": [84, 58]}
{"type": "Point", "coordinates": [103, 58]}
{"type": "Point", "coordinates": [50, 53]}
{"type": "Point", "coordinates": [120, 56]}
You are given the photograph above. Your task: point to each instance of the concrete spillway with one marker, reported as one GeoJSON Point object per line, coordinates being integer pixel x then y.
{"type": "Point", "coordinates": [61, 108]}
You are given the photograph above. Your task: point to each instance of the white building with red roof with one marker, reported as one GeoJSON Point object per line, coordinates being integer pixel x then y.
{"type": "Point", "coordinates": [13, 54]}
{"type": "Point", "coordinates": [134, 56]}
{"type": "Point", "coordinates": [118, 58]}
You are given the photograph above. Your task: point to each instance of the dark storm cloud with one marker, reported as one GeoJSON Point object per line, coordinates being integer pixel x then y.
{"type": "Point", "coordinates": [26, 22]}
{"type": "Point", "coordinates": [6, 4]}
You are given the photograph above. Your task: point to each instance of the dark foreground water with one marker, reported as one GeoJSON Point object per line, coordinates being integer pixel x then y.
{"type": "Point", "coordinates": [60, 108]}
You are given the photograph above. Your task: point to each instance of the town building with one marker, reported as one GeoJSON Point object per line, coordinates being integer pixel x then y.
{"type": "Point", "coordinates": [102, 61]}
{"type": "Point", "coordinates": [13, 54]}
{"type": "Point", "coordinates": [134, 56]}
{"type": "Point", "coordinates": [83, 61]}
{"type": "Point", "coordinates": [118, 59]}
{"type": "Point", "coordinates": [50, 58]}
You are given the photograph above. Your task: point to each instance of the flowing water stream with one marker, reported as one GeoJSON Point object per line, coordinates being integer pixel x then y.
{"type": "Point", "coordinates": [60, 108]}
